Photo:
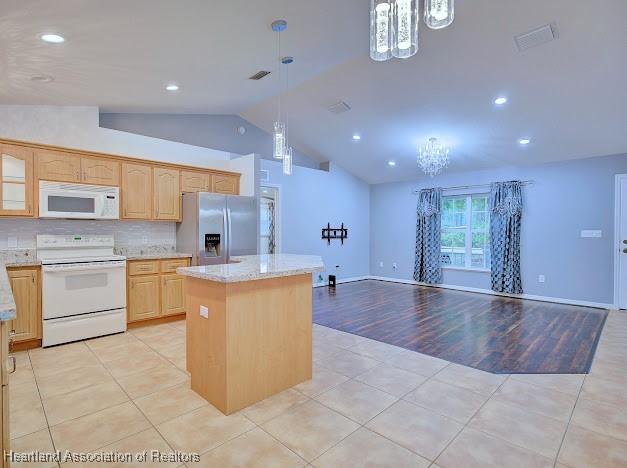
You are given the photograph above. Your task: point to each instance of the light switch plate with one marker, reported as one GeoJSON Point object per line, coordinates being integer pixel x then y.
{"type": "Point", "coordinates": [592, 233]}
{"type": "Point", "coordinates": [12, 242]}
{"type": "Point", "coordinates": [204, 312]}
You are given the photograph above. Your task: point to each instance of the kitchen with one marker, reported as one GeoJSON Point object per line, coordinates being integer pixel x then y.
{"type": "Point", "coordinates": [88, 282]}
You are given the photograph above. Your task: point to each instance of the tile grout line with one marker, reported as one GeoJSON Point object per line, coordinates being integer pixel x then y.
{"type": "Point", "coordinates": [43, 408]}
{"type": "Point", "coordinates": [464, 426]}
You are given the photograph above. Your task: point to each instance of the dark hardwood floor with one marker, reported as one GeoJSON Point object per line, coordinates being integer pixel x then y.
{"type": "Point", "coordinates": [492, 333]}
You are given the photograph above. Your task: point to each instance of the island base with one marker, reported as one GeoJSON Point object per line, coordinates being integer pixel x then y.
{"type": "Point", "coordinates": [255, 341]}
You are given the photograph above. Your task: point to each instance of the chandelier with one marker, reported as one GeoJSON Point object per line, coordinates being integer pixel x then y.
{"type": "Point", "coordinates": [433, 157]}
{"type": "Point", "coordinates": [394, 25]}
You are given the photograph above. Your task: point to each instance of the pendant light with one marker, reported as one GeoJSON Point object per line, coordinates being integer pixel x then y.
{"type": "Point", "coordinates": [393, 29]}
{"type": "Point", "coordinates": [405, 20]}
{"type": "Point", "coordinates": [380, 30]}
{"type": "Point", "coordinates": [287, 154]}
{"type": "Point", "coordinates": [278, 134]}
{"type": "Point", "coordinates": [439, 14]}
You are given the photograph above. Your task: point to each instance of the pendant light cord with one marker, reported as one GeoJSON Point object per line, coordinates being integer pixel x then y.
{"type": "Point", "coordinates": [280, 80]}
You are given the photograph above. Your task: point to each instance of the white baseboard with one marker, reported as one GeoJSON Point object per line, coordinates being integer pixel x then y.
{"type": "Point", "coordinates": [531, 297]}
{"type": "Point", "coordinates": [340, 281]}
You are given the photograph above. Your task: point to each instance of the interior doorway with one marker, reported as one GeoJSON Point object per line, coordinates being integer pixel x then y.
{"type": "Point", "coordinates": [269, 220]}
{"type": "Point", "coordinates": [620, 259]}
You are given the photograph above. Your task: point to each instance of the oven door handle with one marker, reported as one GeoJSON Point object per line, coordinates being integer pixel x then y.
{"type": "Point", "coordinates": [69, 269]}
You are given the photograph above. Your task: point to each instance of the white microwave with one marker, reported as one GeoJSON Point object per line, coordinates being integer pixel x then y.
{"type": "Point", "coordinates": [78, 201]}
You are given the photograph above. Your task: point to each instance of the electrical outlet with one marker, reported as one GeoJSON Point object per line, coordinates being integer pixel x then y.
{"type": "Point", "coordinates": [394, 266]}
{"type": "Point", "coordinates": [204, 312]}
{"type": "Point", "coordinates": [592, 233]}
{"type": "Point", "coordinates": [380, 264]}
{"type": "Point", "coordinates": [541, 279]}
{"type": "Point", "coordinates": [12, 242]}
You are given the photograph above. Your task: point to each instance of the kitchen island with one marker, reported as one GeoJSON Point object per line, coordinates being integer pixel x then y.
{"type": "Point", "coordinates": [249, 327]}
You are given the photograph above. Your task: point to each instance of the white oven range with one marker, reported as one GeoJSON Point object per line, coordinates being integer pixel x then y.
{"type": "Point", "coordinates": [83, 287]}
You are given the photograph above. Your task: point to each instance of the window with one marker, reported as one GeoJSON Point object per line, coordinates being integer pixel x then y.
{"type": "Point", "coordinates": [466, 231]}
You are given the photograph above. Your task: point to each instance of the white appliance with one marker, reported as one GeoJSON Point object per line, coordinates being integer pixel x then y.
{"type": "Point", "coordinates": [80, 201]}
{"type": "Point", "coordinates": [83, 287]}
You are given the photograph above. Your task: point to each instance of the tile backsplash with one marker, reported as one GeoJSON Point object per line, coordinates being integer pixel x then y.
{"type": "Point", "coordinates": [129, 236]}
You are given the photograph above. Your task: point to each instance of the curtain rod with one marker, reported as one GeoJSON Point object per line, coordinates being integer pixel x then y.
{"type": "Point", "coordinates": [463, 187]}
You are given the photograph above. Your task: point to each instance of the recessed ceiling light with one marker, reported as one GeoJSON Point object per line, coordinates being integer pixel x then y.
{"type": "Point", "coordinates": [391, 163]}
{"type": "Point", "coordinates": [356, 137]}
{"type": "Point", "coordinates": [524, 141]}
{"type": "Point", "coordinates": [172, 87]}
{"type": "Point", "coordinates": [52, 38]}
{"type": "Point", "coordinates": [42, 78]}
{"type": "Point", "coordinates": [499, 101]}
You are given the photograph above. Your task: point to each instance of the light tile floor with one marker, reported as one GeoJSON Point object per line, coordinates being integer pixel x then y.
{"type": "Point", "coordinates": [369, 404]}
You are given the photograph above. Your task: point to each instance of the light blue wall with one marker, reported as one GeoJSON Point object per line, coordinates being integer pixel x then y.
{"type": "Point", "coordinates": [309, 199]}
{"type": "Point", "coordinates": [564, 199]}
{"type": "Point", "coordinates": [209, 131]}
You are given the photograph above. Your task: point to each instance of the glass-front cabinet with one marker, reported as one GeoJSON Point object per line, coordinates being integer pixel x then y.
{"type": "Point", "coordinates": [16, 181]}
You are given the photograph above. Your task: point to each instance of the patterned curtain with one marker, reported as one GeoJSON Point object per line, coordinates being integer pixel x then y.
{"type": "Point", "coordinates": [505, 223]}
{"type": "Point", "coordinates": [271, 237]}
{"type": "Point", "coordinates": [427, 268]}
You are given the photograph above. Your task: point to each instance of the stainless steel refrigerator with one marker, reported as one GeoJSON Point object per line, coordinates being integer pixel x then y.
{"type": "Point", "coordinates": [217, 227]}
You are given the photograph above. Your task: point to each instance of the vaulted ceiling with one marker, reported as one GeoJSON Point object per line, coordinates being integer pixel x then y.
{"type": "Point", "coordinates": [568, 96]}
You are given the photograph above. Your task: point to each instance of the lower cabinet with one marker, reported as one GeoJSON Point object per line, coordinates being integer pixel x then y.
{"type": "Point", "coordinates": [143, 298]}
{"type": "Point", "coordinates": [172, 295]}
{"type": "Point", "coordinates": [154, 289]}
{"type": "Point", "coordinates": [25, 285]}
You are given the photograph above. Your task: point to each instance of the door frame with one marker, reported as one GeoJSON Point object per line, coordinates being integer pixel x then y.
{"type": "Point", "coordinates": [277, 214]}
{"type": "Point", "coordinates": [617, 242]}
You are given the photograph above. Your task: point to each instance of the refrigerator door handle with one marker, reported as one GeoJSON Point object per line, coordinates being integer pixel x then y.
{"type": "Point", "coordinates": [228, 230]}
{"type": "Point", "coordinates": [225, 229]}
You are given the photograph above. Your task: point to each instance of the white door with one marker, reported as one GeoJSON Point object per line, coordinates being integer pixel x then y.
{"type": "Point", "coordinates": [621, 204]}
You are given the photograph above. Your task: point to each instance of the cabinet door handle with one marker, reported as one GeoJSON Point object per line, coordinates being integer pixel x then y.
{"type": "Point", "coordinates": [13, 362]}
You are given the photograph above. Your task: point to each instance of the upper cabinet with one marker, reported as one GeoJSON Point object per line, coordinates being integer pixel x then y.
{"type": "Point", "coordinates": [167, 194]}
{"type": "Point", "coordinates": [100, 172]}
{"type": "Point", "coordinates": [225, 183]}
{"type": "Point", "coordinates": [149, 190]}
{"type": "Point", "coordinates": [195, 182]}
{"type": "Point", "coordinates": [16, 181]}
{"type": "Point", "coordinates": [136, 191]}
{"type": "Point", "coordinates": [65, 167]}
{"type": "Point", "coordinates": [57, 166]}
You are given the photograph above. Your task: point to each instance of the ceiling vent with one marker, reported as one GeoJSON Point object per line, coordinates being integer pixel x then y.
{"type": "Point", "coordinates": [259, 75]}
{"type": "Point", "coordinates": [339, 108]}
{"type": "Point", "coordinates": [536, 37]}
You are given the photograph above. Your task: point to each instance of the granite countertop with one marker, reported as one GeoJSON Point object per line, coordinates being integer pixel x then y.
{"type": "Point", "coordinates": [256, 267]}
{"type": "Point", "coordinates": [157, 256]}
{"type": "Point", "coordinates": [7, 304]}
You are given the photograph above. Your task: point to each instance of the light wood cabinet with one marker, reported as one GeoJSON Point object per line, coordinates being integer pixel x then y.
{"type": "Point", "coordinates": [100, 172]}
{"type": "Point", "coordinates": [154, 288]}
{"type": "Point", "coordinates": [149, 190]}
{"type": "Point", "coordinates": [143, 297]}
{"type": "Point", "coordinates": [16, 181]}
{"type": "Point", "coordinates": [25, 285]}
{"type": "Point", "coordinates": [226, 184]}
{"type": "Point", "coordinates": [195, 182]}
{"type": "Point", "coordinates": [57, 166]}
{"type": "Point", "coordinates": [167, 194]}
{"type": "Point", "coordinates": [136, 191]}
{"type": "Point", "coordinates": [172, 294]}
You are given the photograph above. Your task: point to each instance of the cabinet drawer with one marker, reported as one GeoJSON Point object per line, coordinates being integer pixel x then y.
{"type": "Point", "coordinates": [143, 268]}
{"type": "Point", "coordinates": [170, 266]}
